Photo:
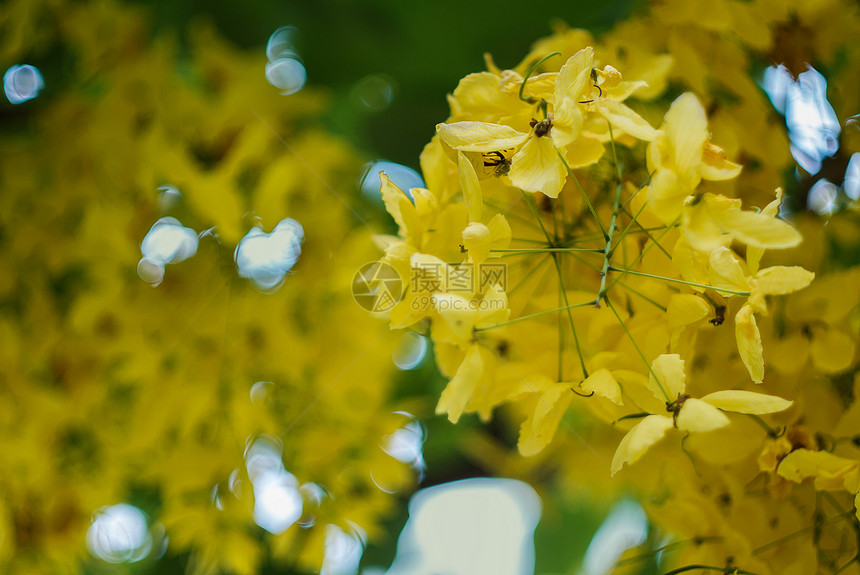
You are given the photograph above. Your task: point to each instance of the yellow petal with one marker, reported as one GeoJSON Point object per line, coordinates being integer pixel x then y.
{"type": "Point", "coordinates": [669, 370]}
{"type": "Point", "coordinates": [574, 76]}
{"type": "Point", "coordinates": [623, 118]}
{"type": "Point", "coordinates": [691, 263]}
{"type": "Point", "coordinates": [500, 231]}
{"type": "Point", "coordinates": [537, 168]}
{"type": "Point", "coordinates": [686, 127]}
{"type": "Point", "coordinates": [749, 343]}
{"type": "Point", "coordinates": [726, 271]}
{"type": "Point", "coordinates": [698, 416]}
{"type": "Point", "coordinates": [754, 253]}
{"type": "Point", "coordinates": [781, 280]}
{"type": "Point", "coordinates": [567, 123]}
{"type": "Point", "coordinates": [715, 166]}
{"type": "Point", "coordinates": [830, 471]}
{"type": "Point", "coordinates": [746, 401]}
{"type": "Point", "coordinates": [684, 309]}
{"type": "Point", "coordinates": [479, 136]}
{"type": "Point", "coordinates": [479, 94]}
{"type": "Point", "coordinates": [857, 505]}
{"type": "Point", "coordinates": [603, 384]}
{"type": "Point", "coordinates": [666, 195]}
{"type": "Point", "coordinates": [459, 313]}
{"type": "Point", "coordinates": [755, 229]}
{"type": "Point", "coordinates": [477, 241]}
{"type": "Point", "coordinates": [639, 439]}
{"type": "Point", "coordinates": [539, 428]}
{"type": "Point", "coordinates": [459, 390]}
{"type": "Point", "coordinates": [584, 151]}
{"type": "Point", "coordinates": [832, 350]}
{"type": "Point", "coordinates": [396, 202]}
{"type": "Point", "coordinates": [471, 187]}
{"type": "Point", "coordinates": [493, 307]}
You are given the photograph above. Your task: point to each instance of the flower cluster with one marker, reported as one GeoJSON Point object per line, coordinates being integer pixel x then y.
{"type": "Point", "coordinates": [656, 296]}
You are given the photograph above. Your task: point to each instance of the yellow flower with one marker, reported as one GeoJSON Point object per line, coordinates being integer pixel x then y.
{"type": "Point", "coordinates": [681, 155]}
{"type": "Point", "coordinates": [714, 221]}
{"type": "Point", "coordinates": [667, 382]}
{"type": "Point", "coordinates": [775, 280]}
{"type": "Point", "coordinates": [536, 156]}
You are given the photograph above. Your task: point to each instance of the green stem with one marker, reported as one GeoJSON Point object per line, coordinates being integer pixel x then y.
{"type": "Point", "coordinates": [643, 296]}
{"type": "Point", "coordinates": [582, 191]}
{"type": "Point", "coordinates": [546, 250]}
{"type": "Point", "coordinates": [650, 237]}
{"type": "Point", "coordinates": [695, 541]}
{"type": "Point", "coordinates": [616, 202]}
{"type": "Point", "coordinates": [639, 189]}
{"type": "Point", "coordinates": [645, 250]}
{"type": "Point", "coordinates": [677, 281]}
{"type": "Point", "coordinates": [527, 276]}
{"type": "Point", "coordinates": [639, 351]}
{"type": "Point", "coordinates": [534, 315]}
{"type": "Point", "coordinates": [536, 214]}
{"type": "Point", "coordinates": [554, 256]}
{"type": "Point", "coordinates": [626, 230]}
{"type": "Point", "coordinates": [529, 72]}
{"type": "Point", "coordinates": [800, 532]}
{"type": "Point", "coordinates": [728, 571]}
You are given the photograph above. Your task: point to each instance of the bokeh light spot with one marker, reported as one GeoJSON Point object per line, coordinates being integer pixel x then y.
{"type": "Point", "coordinates": [410, 351]}
{"type": "Point", "coordinates": [375, 92]}
{"type": "Point", "coordinates": [22, 83]}
{"type": "Point", "coordinates": [478, 526]}
{"type": "Point", "coordinates": [119, 534]}
{"type": "Point", "coordinates": [287, 75]}
{"type": "Point", "coordinates": [265, 258]}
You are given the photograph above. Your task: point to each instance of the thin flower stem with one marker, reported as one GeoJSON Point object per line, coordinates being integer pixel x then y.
{"type": "Point", "coordinates": [531, 203]}
{"type": "Point", "coordinates": [639, 351]}
{"type": "Point", "coordinates": [582, 191]}
{"type": "Point", "coordinates": [527, 276]}
{"type": "Point", "coordinates": [800, 532]}
{"type": "Point", "coordinates": [562, 289]}
{"type": "Point", "coordinates": [730, 570]}
{"type": "Point", "coordinates": [633, 220]}
{"type": "Point", "coordinates": [677, 281]}
{"type": "Point", "coordinates": [616, 203]}
{"type": "Point", "coordinates": [528, 240]}
{"type": "Point", "coordinates": [547, 250]}
{"type": "Point", "coordinates": [560, 326]}
{"type": "Point", "coordinates": [639, 189]}
{"type": "Point", "coordinates": [639, 231]}
{"type": "Point", "coordinates": [650, 237]}
{"type": "Point", "coordinates": [529, 72]}
{"type": "Point", "coordinates": [508, 213]}
{"type": "Point", "coordinates": [695, 541]}
{"type": "Point", "coordinates": [534, 315]}
{"type": "Point", "coordinates": [644, 251]}
{"type": "Point", "coordinates": [643, 296]}
{"type": "Point", "coordinates": [762, 423]}
{"type": "Point", "coordinates": [585, 261]}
